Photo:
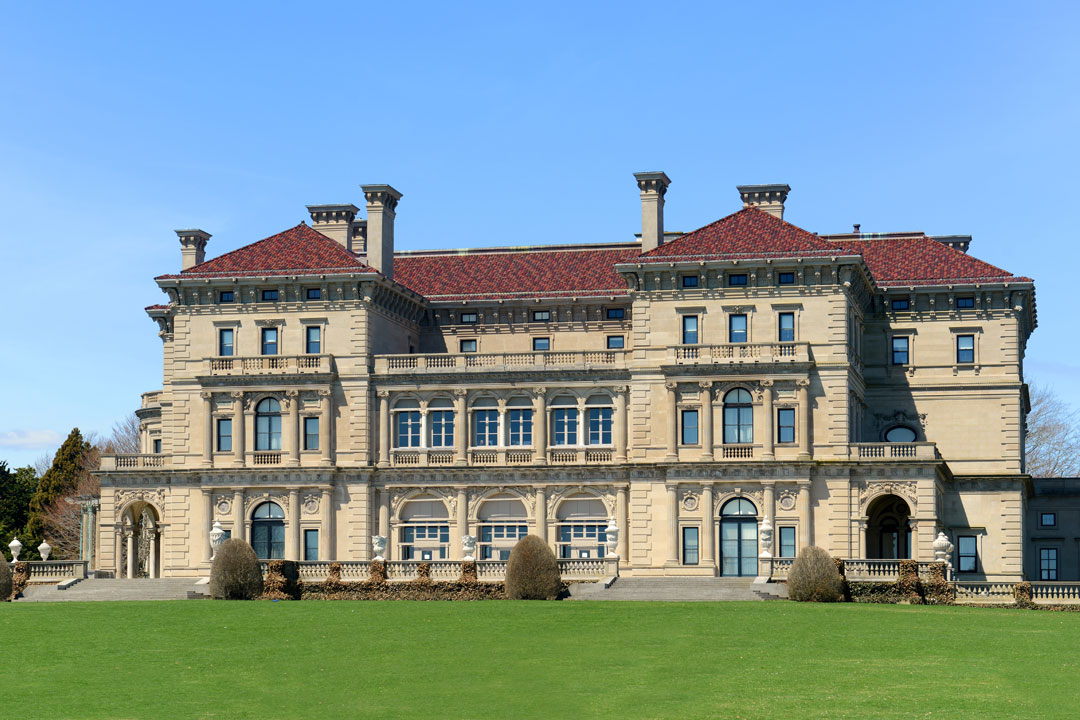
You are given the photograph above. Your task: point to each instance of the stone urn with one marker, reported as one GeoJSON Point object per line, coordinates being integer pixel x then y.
{"type": "Point", "coordinates": [44, 549]}
{"type": "Point", "coordinates": [765, 532]}
{"type": "Point", "coordinates": [468, 547]}
{"type": "Point", "coordinates": [378, 546]}
{"type": "Point", "coordinates": [611, 538]}
{"type": "Point", "coordinates": [16, 547]}
{"type": "Point", "coordinates": [217, 536]}
{"type": "Point", "coordinates": [943, 549]}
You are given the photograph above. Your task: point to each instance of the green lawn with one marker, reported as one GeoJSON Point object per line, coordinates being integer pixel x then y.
{"type": "Point", "coordinates": [501, 659]}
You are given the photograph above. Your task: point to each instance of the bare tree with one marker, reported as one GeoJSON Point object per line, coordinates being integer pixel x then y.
{"type": "Point", "coordinates": [63, 518]}
{"type": "Point", "coordinates": [1052, 443]}
{"type": "Point", "coordinates": [125, 437]}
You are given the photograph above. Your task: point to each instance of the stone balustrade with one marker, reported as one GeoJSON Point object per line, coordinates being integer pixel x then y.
{"type": "Point", "coordinates": [269, 365]}
{"type": "Point", "coordinates": [1056, 593]}
{"type": "Point", "coordinates": [448, 570]}
{"type": "Point", "coordinates": [49, 571]}
{"type": "Point", "coordinates": [133, 462]}
{"type": "Point", "coordinates": [500, 362]}
{"type": "Point", "coordinates": [893, 451]}
{"type": "Point", "coordinates": [734, 353]}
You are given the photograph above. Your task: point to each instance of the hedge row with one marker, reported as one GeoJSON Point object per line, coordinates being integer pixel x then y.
{"type": "Point", "coordinates": [465, 587]}
{"type": "Point", "coordinates": [908, 588]}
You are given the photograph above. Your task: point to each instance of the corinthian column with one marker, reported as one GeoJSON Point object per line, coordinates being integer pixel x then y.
{"type": "Point", "coordinates": [326, 420]}
{"type": "Point", "coordinates": [292, 427]}
{"type": "Point", "coordinates": [672, 422]}
{"type": "Point", "coordinates": [620, 423]}
{"type": "Point", "coordinates": [673, 525]}
{"type": "Point", "coordinates": [384, 428]}
{"type": "Point", "coordinates": [292, 546]}
{"type": "Point", "coordinates": [208, 429]}
{"type": "Point", "coordinates": [540, 425]}
{"type": "Point", "coordinates": [706, 420]}
{"type": "Point", "coordinates": [769, 420]}
{"type": "Point", "coordinates": [461, 428]}
{"type": "Point", "coordinates": [804, 430]}
{"type": "Point", "coordinates": [239, 434]}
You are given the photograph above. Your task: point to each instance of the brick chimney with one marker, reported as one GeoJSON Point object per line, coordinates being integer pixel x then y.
{"type": "Point", "coordinates": [382, 203]}
{"type": "Point", "coordinates": [335, 222]}
{"type": "Point", "coordinates": [769, 198]}
{"type": "Point", "coordinates": [653, 187]}
{"type": "Point", "coordinates": [192, 247]}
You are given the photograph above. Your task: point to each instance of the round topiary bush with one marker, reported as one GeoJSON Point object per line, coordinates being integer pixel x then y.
{"type": "Point", "coordinates": [813, 577]}
{"type": "Point", "coordinates": [532, 573]}
{"type": "Point", "coordinates": [235, 574]}
{"type": "Point", "coordinates": [5, 580]}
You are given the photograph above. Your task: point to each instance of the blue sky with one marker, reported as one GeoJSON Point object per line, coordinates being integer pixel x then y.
{"type": "Point", "coordinates": [501, 125]}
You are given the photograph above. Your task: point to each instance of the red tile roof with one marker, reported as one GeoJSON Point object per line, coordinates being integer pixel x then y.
{"type": "Point", "coordinates": [921, 260]}
{"type": "Point", "coordinates": [297, 251]}
{"type": "Point", "coordinates": [148, 308]}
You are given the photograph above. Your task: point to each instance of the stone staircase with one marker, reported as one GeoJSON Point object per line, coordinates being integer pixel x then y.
{"type": "Point", "coordinates": [679, 589]}
{"type": "Point", "coordinates": [94, 589]}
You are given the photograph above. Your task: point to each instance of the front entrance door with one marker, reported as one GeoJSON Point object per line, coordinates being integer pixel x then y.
{"type": "Point", "coordinates": [738, 547]}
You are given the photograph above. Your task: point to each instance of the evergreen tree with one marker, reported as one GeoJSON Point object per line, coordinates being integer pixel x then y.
{"type": "Point", "coordinates": [16, 489]}
{"type": "Point", "coordinates": [60, 481]}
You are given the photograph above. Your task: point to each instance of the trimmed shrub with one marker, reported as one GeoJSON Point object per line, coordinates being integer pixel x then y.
{"type": "Point", "coordinates": [937, 590]}
{"type": "Point", "coordinates": [813, 577]}
{"type": "Point", "coordinates": [282, 581]}
{"type": "Point", "coordinates": [908, 583]}
{"type": "Point", "coordinates": [532, 573]}
{"type": "Point", "coordinates": [5, 580]}
{"type": "Point", "coordinates": [423, 572]}
{"type": "Point", "coordinates": [20, 579]}
{"type": "Point", "coordinates": [235, 574]}
{"type": "Point", "coordinates": [886, 593]}
{"type": "Point", "coordinates": [468, 572]}
{"type": "Point", "coordinates": [377, 571]}
{"type": "Point", "coordinates": [1022, 595]}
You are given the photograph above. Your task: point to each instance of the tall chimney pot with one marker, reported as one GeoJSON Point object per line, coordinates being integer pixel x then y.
{"type": "Point", "coordinates": [335, 222]}
{"type": "Point", "coordinates": [192, 247]}
{"type": "Point", "coordinates": [770, 198]}
{"type": "Point", "coordinates": [653, 187]}
{"type": "Point", "coordinates": [382, 203]}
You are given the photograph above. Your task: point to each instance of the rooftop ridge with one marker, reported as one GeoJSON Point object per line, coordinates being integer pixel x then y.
{"type": "Point", "coordinates": [508, 249]}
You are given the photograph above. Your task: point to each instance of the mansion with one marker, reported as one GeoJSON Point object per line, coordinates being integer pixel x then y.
{"type": "Point", "coordinates": [700, 403]}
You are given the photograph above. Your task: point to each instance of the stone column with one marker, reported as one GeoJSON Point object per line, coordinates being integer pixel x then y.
{"type": "Point", "coordinates": [151, 562]}
{"type": "Point", "coordinates": [672, 422]}
{"type": "Point", "coordinates": [622, 520]}
{"type": "Point", "coordinates": [708, 526]}
{"type": "Point", "coordinates": [326, 524]}
{"type": "Point", "coordinates": [804, 429]}
{"type": "Point", "coordinates": [239, 436]}
{"type": "Point", "coordinates": [767, 452]}
{"type": "Point", "coordinates": [370, 522]}
{"type": "Point", "coordinates": [292, 428]}
{"type": "Point", "coordinates": [805, 536]}
{"type": "Point", "coordinates": [384, 428]}
{"type": "Point", "coordinates": [384, 514]}
{"type": "Point", "coordinates": [129, 534]}
{"type": "Point", "coordinates": [292, 541]}
{"type": "Point", "coordinates": [462, 520]}
{"type": "Point", "coordinates": [208, 429]}
{"type": "Point", "coordinates": [461, 428]}
{"type": "Point", "coordinates": [769, 511]}
{"type": "Point", "coordinates": [540, 426]}
{"type": "Point", "coordinates": [208, 522]}
{"type": "Point", "coordinates": [706, 420]}
{"type": "Point", "coordinates": [621, 423]}
{"type": "Point", "coordinates": [673, 525]}
{"type": "Point", "coordinates": [326, 424]}
{"type": "Point", "coordinates": [238, 515]}
{"type": "Point", "coordinates": [913, 548]}
{"type": "Point", "coordinates": [541, 513]}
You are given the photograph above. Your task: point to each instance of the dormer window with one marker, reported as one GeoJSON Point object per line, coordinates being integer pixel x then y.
{"type": "Point", "coordinates": [226, 296]}
{"type": "Point", "coordinates": [468, 318]}
{"type": "Point", "coordinates": [901, 304]}
{"type": "Point", "coordinates": [269, 295]}
{"type": "Point", "coordinates": [690, 281]}
{"type": "Point", "coordinates": [738, 280]}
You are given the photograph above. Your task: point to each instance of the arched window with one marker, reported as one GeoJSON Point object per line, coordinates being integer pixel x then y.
{"type": "Point", "coordinates": [900, 434]}
{"type": "Point", "coordinates": [738, 417]}
{"type": "Point", "coordinates": [485, 421]}
{"type": "Point", "coordinates": [268, 530]}
{"type": "Point", "coordinates": [599, 416]}
{"type": "Point", "coordinates": [441, 423]}
{"type": "Point", "coordinates": [564, 420]}
{"type": "Point", "coordinates": [424, 530]}
{"type": "Point", "coordinates": [738, 538]}
{"type": "Point", "coordinates": [268, 425]}
{"type": "Point", "coordinates": [581, 530]}
{"type": "Point", "coordinates": [406, 423]}
{"type": "Point", "coordinates": [502, 523]}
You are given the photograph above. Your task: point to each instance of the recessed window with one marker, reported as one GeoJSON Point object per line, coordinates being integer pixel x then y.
{"type": "Point", "coordinates": [224, 435]}
{"type": "Point", "coordinates": [965, 303]}
{"type": "Point", "coordinates": [786, 322]}
{"type": "Point", "coordinates": [689, 427]}
{"type": "Point", "coordinates": [901, 304]}
{"type": "Point", "coordinates": [600, 421]}
{"type": "Point", "coordinates": [689, 281]}
{"type": "Point", "coordinates": [787, 542]}
{"type": "Point", "coordinates": [268, 425]}
{"type": "Point", "coordinates": [468, 346]}
{"type": "Point", "coordinates": [157, 446]}
{"type": "Point", "coordinates": [1048, 564]}
{"type": "Point", "coordinates": [564, 425]}
{"type": "Point", "coordinates": [442, 428]}
{"type": "Point", "coordinates": [965, 348]}
{"type": "Point", "coordinates": [737, 328]}
{"type": "Point", "coordinates": [269, 295]}
{"type": "Point", "coordinates": [900, 434]}
{"type": "Point", "coordinates": [616, 342]}
{"type": "Point", "coordinates": [313, 340]}
{"type": "Point", "coordinates": [738, 417]}
{"type": "Point", "coordinates": [314, 293]}
{"type": "Point", "coordinates": [690, 546]}
{"type": "Point", "coordinates": [226, 296]}
{"type": "Point", "coordinates": [485, 428]}
{"type": "Point", "coordinates": [900, 347]}
{"type": "Point", "coordinates": [520, 422]}
{"type": "Point", "coordinates": [269, 343]}
{"type": "Point", "coordinates": [689, 329]}
{"type": "Point", "coordinates": [785, 278]}
{"type": "Point", "coordinates": [785, 425]}
{"type": "Point", "coordinates": [311, 433]}
{"type": "Point", "coordinates": [1048, 520]}
{"type": "Point", "coordinates": [407, 429]}
{"type": "Point", "coordinates": [738, 280]}
{"type": "Point", "coordinates": [616, 313]}
{"type": "Point", "coordinates": [967, 553]}
{"type": "Point", "coordinates": [468, 318]}
{"type": "Point", "coordinates": [541, 343]}
{"type": "Point", "coordinates": [225, 342]}
{"type": "Point", "coordinates": [541, 315]}
{"type": "Point", "coordinates": [311, 545]}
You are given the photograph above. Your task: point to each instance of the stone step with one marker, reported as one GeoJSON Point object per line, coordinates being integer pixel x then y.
{"type": "Point", "coordinates": [678, 589]}
{"type": "Point", "coordinates": [98, 589]}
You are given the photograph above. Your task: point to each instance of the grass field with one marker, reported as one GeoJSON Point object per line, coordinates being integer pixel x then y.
{"type": "Point", "coordinates": [501, 659]}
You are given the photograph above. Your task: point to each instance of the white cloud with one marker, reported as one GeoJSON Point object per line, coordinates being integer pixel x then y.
{"type": "Point", "coordinates": [31, 439]}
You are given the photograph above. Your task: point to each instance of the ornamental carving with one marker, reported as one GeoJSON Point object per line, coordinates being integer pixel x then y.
{"type": "Point", "coordinates": [900, 417]}
{"type": "Point", "coordinates": [904, 489]}
{"type": "Point", "coordinates": [251, 500]}
{"type": "Point", "coordinates": [223, 506]}
{"type": "Point", "coordinates": [787, 499]}
{"type": "Point", "coordinates": [690, 500]}
{"type": "Point", "coordinates": [155, 497]}
{"type": "Point", "coordinates": [310, 503]}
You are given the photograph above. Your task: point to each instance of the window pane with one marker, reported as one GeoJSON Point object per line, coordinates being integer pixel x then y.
{"type": "Point", "coordinates": [311, 545]}
{"type": "Point", "coordinates": [225, 343]}
{"type": "Point", "coordinates": [615, 342]}
{"type": "Point", "coordinates": [689, 330]}
{"type": "Point", "coordinates": [965, 302]}
{"type": "Point", "coordinates": [314, 340]}
{"type": "Point", "coordinates": [541, 343]}
{"type": "Point", "coordinates": [737, 328]}
{"type": "Point", "coordinates": [314, 293]}
{"type": "Point", "coordinates": [616, 313]}
{"type": "Point", "coordinates": [785, 425]}
{"type": "Point", "coordinates": [520, 427]}
{"type": "Point", "coordinates": [786, 279]}
{"type": "Point", "coordinates": [690, 281]}
{"type": "Point", "coordinates": [787, 327]}
{"type": "Point", "coordinates": [565, 426]}
{"type": "Point", "coordinates": [224, 433]}
{"type": "Point", "coordinates": [965, 348]}
{"type": "Point", "coordinates": [468, 346]}
{"type": "Point", "coordinates": [737, 280]}
{"type": "Point", "coordinates": [600, 420]}
{"type": "Point", "coordinates": [690, 546]}
{"type": "Point", "coordinates": [311, 433]}
{"type": "Point", "coordinates": [899, 351]}
{"type": "Point", "coordinates": [689, 427]}
{"type": "Point", "coordinates": [787, 542]}
{"type": "Point", "coordinates": [269, 341]}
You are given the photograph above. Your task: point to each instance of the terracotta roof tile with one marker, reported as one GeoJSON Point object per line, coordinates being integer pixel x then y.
{"type": "Point", "coordinates": [921, 260]}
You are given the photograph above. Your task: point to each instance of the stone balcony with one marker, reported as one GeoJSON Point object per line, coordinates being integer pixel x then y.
{"type": "Point", "coordinates": [269, 365]}
{"type": "Point", "coordinates": [733, 353]}
{"type": "Point", "coordinates": [500, 362]}
{"type": "Point", "coordinates": [133, 462]}
{"type": "Point", "coordinates": [893, 451]}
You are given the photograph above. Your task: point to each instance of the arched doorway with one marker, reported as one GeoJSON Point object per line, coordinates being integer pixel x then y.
{"type": "Point", "coordinates": [141, 549]}
{"type": "Point", "coordinates": [738, 539]}
{"type": "Point", "coordinates": [268, 531]}
{"type": "Point", "coordinates": [888, 532]}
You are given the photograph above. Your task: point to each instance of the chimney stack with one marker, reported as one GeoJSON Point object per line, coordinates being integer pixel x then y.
{"type": "Point", "coordinates": [192, 247]}
{"type": "Point", "coordinates": [335, 222]}
{"type": "Point", "coordinates": [769, 198]}
{"type": "Point", "coordinates": [653, 187]}
{"type": "Point", "coordinates": [382, 203]}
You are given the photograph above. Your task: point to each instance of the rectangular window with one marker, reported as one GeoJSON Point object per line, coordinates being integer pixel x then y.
{"type": "Point", "coordinates": [787, 327]}
{"type": "Point", "coordinates": [616, 313]}
{"type": "Point", "coordinates": [785, 425]}
{"type": "Point", "coordinates": [468, 318]}
{"type": "Point", "coordinates": [901, 304]}
{"type": "Point", "coordinates": [226, 296]}
{"type": "Point", "coordinates": [442, 428]}
{"type": "Point", "coordinates": [787, 542]}
{"type": "Point", "coordinates": [485, 428]}
{"type": "Point", "coordinates": [690, 546]}
{"type": "Point", "coordinates": [311, 545]}
{"type": "Point", "coordinates": [225, 342]}
{"type": "Point", "coordinates": [965, 303]}
{"type": "Point", "coordinates": [468, 346]}
{"type": "Point", "coordinates": [900, 351]}
{"type": "Point", "coordinates": [408, 429]}
{"type": "Point", "coordinates": [690, 281]}
{"type": "Point", "coordinates": [689, 330]}
{"type": "Point", "coordinates": [541, 315]}
{"type": "Point", "coordinates": [313, 340]}
{"type": "Point", "coordinates": [737, 328]}
{"type": "Point", "coordinates": [615, 342]}
{"type": "Point", "coordinates": [157, 446]}
{"type": "Point", "coordinates": [224, 435]}
{"type": "Point", "coordinates": [564, 421]}
{"type": "Point", "coordinates": [689, 427]}
{"type": "Point", "coordinates": [967, 554]}
{"type": "Point", "coordinates": [311, 433]}
{"type": "Point", "coordinates": [269, 341]}
{"type": "Point", "coordinates": [738, 280]}
{"type": "Point", "coordinates": [1048, 564]}
{"type": "Point", "coordinates": [785, 279]}
{"type": "Point", "coordinates": [1048, 520]}
{"type": "Point", "coordinates": [520, 427]}
{"type": "Point", "coordinates": [965, 348]}
{"type": "Point", "coordinates": [314, 293]}
{"type": "Point", "coordinates": [269, 295]}
{"type": "Point", "coordinates": [599, 426]}
{"type": "Point", "coordinates": [541, 343]}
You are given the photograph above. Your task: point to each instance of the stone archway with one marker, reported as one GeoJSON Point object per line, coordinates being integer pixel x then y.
{"type": "Point", "coordinates": [888, 528]}
{"type": "Point", "coordinates": [141, 549]}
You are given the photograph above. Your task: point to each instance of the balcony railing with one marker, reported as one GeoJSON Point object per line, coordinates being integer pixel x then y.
{"type": "Point", "coordinates": [47, 571]}
{"type": "Point", "coordinates": [133, 462]}
{"type": "Point", "coordinates": [477, 362]}
{"type": "Point", "coordinates": [893, 451]}
{"type": "Point", "coordinates": [269, 365]}
{"type": "Point", "coordinates": [772, 352]}
{"type": "Point", "coordinates": [448, 570]}
{"type": "Point", "coordinates": [266, 458]}
{"type": "Point", "coordinates": [856, 570]}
